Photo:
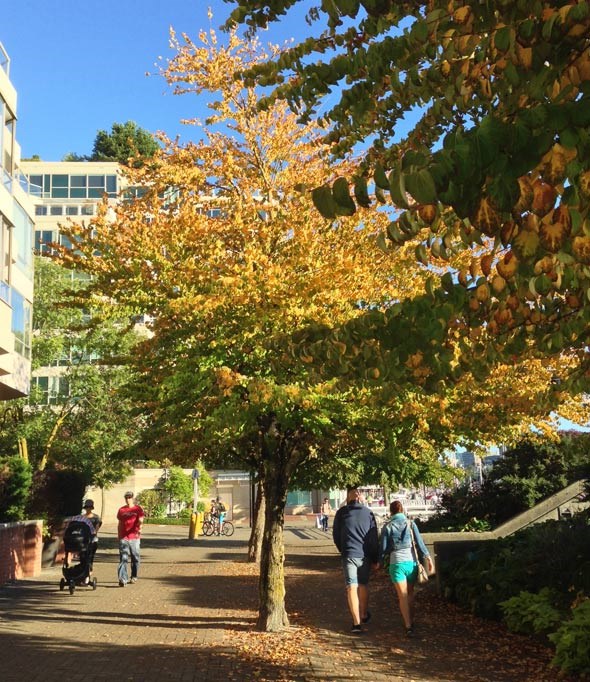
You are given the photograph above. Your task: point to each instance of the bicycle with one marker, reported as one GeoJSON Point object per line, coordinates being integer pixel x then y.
{"type": "Point", "coordinates": [211, 525]}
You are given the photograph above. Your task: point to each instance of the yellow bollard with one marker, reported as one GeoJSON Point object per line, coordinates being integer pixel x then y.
{"type": "Point", "coordinates": [196, 525]}
{"type": "Point", "coordinates": [192, 529]}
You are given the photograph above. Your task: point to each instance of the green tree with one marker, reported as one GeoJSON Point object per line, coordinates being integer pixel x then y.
{"type": "Point", "coordinates": [179, 485]}
{"type": "Point", "coordinates": [127, 143]}
{"type": "Point", "coordinates": [474, 121]}
{"type": "Point", "coordinates": [153, 502]}
{"type": "Point", "coordinates": [88, 424]}
{"type": "Point", "coordinates": [15, 484]}
{"type": "Point", "coordinates": [530, 471]}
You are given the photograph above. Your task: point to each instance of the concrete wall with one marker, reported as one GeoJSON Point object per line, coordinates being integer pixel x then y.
{"type": "Point", "coordinates": [234, 492]}
{"type": "Point", "coordinates": [21, 546]}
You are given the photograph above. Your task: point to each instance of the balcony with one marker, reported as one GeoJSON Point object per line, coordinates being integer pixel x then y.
{"type": "Point", "coordinates": [4, 60]}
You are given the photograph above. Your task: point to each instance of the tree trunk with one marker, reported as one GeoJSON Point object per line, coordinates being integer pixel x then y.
{"type": "Point", "coordinates": [61, 417]}
{"type": "Point", "coordinates": [272, 615]}
{"type": "Point", "coordinates": [255, 542]}
{"type": "Point", "coordinates": [23, 449]}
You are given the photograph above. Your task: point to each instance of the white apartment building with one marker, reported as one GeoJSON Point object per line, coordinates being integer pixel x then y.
{"type": "Point", "coordinates": [65, 191]}
{"type": "Point", "coordinates": [16, 250]}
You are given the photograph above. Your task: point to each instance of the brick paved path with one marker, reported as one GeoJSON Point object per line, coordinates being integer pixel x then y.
{"type": "Point", "coordinates": [190, 618]}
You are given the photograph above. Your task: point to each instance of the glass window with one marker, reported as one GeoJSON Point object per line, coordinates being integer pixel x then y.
{"type": "Point", "coordinates": [59, 180]}
{"type": "Point", "coordinates": [23, 241]}
{"type": "Point", "coordinates": [21, 324]}
{"type": "Point", "coordinates": [72, 210]}
{"type": "Point", "coordinates": [298, 497]}
{"type": "Point", "coordinates": [39, 395]}
{"type": "Point", "coordinates": [5, 258]}
{"type": "Point", "coordinates": [95, 193]}
{"type": "Point", "coordinates": [42, 239]}
{"type": "Point", "coordinates": [112, 184]}
{"type": "Point", "coordinates": [78, 193]}
{"type": "Point", "coordinates": [65, 241]}
{"type": "Point", "coordinates": [47, 184]}
{"type": "Point", "coordinates": [41, 210]}
{"type": "Point", "coordinates": [36, 185]}
{"type": "Point", "coordinates": [57, 210]}
{"type": "Point", "coordinates": [87, 210]}
{"type": "Point", "coordinates": [77, 181]}
{"type": "Point", "coordinates": [96, 181]}
{"type": "Point", "coordinates": [59, 193]}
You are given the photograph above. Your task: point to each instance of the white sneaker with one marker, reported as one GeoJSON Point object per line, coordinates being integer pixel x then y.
{"type": "Point", "coordinates": [133, 580]}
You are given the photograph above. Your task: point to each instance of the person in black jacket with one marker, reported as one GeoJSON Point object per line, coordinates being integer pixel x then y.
{"type": "Point", "coordinates": [355, 535]}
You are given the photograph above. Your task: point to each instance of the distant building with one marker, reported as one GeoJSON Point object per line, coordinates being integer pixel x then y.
{"type": "Point", "coordinates": [16, 251]}
{"type": "Point", "coordinates": [466, 459]}
{"type": "Point", "coordinates": [63, 191]}
{"type": "Point", "coordinates": [490, 460]}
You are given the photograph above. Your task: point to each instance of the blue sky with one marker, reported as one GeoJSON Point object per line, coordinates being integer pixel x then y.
{"type": "Point", "coordinates": [79, 67]}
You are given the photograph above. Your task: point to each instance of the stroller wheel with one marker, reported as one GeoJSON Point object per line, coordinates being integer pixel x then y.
{"type": "Point", "coordinates": [93, 583]}
{"type": "Point", "coordinates": [72, 586]}
{"type": "Point", "coordinates": [62, 584]}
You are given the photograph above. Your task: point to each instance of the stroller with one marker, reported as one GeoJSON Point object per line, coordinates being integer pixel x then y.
{"type": "Point", "coordinates": [77, 543]}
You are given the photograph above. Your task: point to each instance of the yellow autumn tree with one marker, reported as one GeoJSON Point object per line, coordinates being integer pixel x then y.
{"type": "Point", "coordinates": [218, 241]}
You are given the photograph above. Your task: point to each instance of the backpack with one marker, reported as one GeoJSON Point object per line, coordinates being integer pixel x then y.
{"type": "Point", "coordinates": [220, 507]}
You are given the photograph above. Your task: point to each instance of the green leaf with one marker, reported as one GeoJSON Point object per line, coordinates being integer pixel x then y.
{"type": "Point", "coordinates": [341, 194]}
{"type": "Point", "coordinates": [421, 186]}
{"type": "Point", "coordinates": [394, 233]}
{"type": "Point", "coordinates": [361, 192]}
{"type": "Point", "coordinates": [547, 29]}
{"type": "Point", "coordinates": [397, 188]}
{"type": "Point", "coordinates": [504, 190]}
{"type": "Point", "coordinates": [380, 177]}
{"type": "Point", "coordinates": [447, 282]}
{"type": "Point", "coordinates": [323, 201]}
{"type": "Point", "coordinates": [380, 196]}
{"type": "Point", "coordinates": [502, 38]}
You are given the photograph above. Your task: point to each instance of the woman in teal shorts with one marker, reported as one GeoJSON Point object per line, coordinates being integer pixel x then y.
{"type": "Point", "coordinates": [396, 544]}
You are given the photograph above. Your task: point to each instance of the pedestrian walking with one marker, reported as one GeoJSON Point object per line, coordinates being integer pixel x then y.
{"type": "Point", "coordinates": [130, 517]}
{"type": "Point", "coordinates": [326, 511]}
{"type": "Point", "coordinates": [355, 535]}
{"type": "Point", "coordinates": [397, 552]}
{"type": "Point", "coordinates": [96, 522]}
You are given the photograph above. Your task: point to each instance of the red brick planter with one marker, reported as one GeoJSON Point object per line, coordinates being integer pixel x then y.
{"type": "Point", "coordinates": [21, 545]}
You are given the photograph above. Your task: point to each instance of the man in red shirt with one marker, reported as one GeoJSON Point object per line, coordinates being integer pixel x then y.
{"type": "Point", "coordinates": [130, 518]}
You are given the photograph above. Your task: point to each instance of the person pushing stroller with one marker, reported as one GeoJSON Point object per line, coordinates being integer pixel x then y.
{"type": "Point", "coordinates": [80, 541]}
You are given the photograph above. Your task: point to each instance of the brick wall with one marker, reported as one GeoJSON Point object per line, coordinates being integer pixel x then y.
{"type": "Point", "coordinates": [21, 545]}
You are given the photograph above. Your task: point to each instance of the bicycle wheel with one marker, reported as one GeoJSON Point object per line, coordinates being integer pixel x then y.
{"type": "Point", "coordinates": [208, 528]}
{"type": "Point", "coordinates": [227, 528]}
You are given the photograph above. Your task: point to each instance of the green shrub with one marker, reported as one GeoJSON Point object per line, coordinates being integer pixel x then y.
{"type": "Point", "coordinates": [158, 511]}
{"type": "Point", "coordinates": [167, 522]}
{"type": "Point", "coordinates": [15, 485]}
{"type": "Point", "coordinates": [572, 642]}
{"type": "Point", "coordinates": [152, 501]}
{"type": "Point", "coordinates": [185, 513]}
{"type": "Point", "coordinates": [552, 554]}
{"type": "Point", "coordinates": [530, 613]}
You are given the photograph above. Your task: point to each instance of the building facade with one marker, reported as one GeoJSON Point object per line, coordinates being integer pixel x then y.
{"type": "Point", "coordinates": [16, 250]}
{"type": "Point", "coordinates": [65, 191]}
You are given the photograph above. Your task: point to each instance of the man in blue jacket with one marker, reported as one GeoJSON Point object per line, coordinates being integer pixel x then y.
{"type": "Point", "coordinates": [355, 535]}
